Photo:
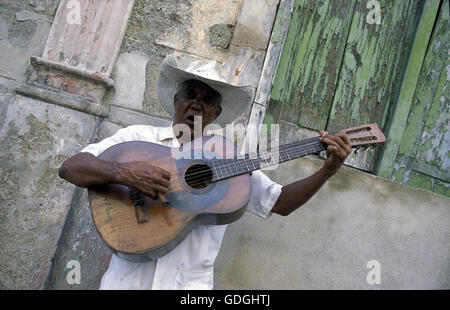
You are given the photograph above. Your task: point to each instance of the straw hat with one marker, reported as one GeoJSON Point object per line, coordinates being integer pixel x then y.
{"type": "Point", "coordinates": [177, 69]}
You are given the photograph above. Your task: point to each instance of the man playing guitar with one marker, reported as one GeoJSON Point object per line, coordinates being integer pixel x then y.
{"type": "Point", "coordinates": [190, 264]}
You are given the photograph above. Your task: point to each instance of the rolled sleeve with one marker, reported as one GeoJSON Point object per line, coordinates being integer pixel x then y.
{"type": "Point", "coordinates": [265, 193]}
{"type": "Point", "coordinates": [122, 135]}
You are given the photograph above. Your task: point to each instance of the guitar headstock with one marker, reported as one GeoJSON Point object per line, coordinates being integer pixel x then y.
{"type": "Point", "coordinates": [363, 136]}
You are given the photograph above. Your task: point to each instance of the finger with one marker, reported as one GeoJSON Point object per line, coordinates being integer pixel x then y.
{"type": "Point", "coordinates": [332, 151]}
{"type": "Point", "coordinates": [152, 194]}
{"type": "Point", "coordinates": [163, 173]}
{"type": "Point", "coordinates": [159, 180]}
{"type": "Point", "coordinates": [159, 188]}
{"type": "Point", "coordinates": [342, 154]}
{"type": "Point", "coordinates": [323, 133]}
{"type": "Point", "coordinates": [338, 140]}
{"type": "Point", "coordinates": [329, 141]}
{"type": "Point", "coordinates": [339, 152]}
{"type": "Point", "coordinates": [347, 145]}
{"type": "Point", "coordinates": [344, 137]}
{"type": "Point", "coordinates": [340, 143]}
{"type": "Point", "coordinates": [166, 174]}
{"type": "Point", "coordinates": [162, 181]}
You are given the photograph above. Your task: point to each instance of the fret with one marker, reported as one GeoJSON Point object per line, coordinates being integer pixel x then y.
{"type": "Point", "coordinates": [224, 168]}
{"type": "Point", "coordinates": [264, 158]}
{"type": "Point", "coordinates": [248, 163]}
{"type": "Point", "coordinates": [285, 149]}
{"type": "Point", "coordinates": [314, 148]}
{"type": "Point", "coordinates": [258, 164]}
{"type": "Point", "coordinates": [300, 151]}
{"type": "Point", "coordinates": [228, 166]}
{"type": "Point", "coordinates": [235, 167]}
{"type": "Point", "coordinates": [221, 162]}
{"type": "Point", "coordinates": [215, 170]}
{"type": "Point", "coordinates": [280, 159]}
{"type": "Point", "coordinates": [231, 167]}
{"type": "Point", "coordinates": [292, 149]}
{"type": "Point", "coordinates": [251, 160]}
{"type": "Point", "coordinates": [241, 166]}
{"type": "Point", "coordinates": [287, 152]}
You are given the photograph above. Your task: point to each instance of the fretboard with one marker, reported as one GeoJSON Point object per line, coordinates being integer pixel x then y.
{"type": "Point", "coordinates": [225, 168]}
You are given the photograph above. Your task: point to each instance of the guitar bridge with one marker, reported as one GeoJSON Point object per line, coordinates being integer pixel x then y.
{"type": "Point", "coordinates": [138, 201]}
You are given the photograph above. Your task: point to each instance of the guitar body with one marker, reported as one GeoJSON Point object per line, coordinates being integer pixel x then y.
{"type": "Point", "coordinates": [217, 203]}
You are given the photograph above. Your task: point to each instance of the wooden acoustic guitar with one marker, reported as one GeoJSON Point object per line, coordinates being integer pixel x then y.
{"type": "Point", "coordinates": [209, 185]}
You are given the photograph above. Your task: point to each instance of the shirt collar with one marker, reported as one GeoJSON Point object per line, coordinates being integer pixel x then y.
{"type": "Point", "coordinates": [166, 133]}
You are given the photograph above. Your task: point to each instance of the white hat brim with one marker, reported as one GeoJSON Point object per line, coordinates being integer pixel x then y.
{"type": "Point", "coordinates": [235, 99]}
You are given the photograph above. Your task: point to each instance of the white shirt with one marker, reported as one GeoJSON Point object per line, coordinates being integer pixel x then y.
{"type": "Point", "coordinates": [190, 264]}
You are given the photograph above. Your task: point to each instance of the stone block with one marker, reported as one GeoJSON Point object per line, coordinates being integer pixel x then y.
{"type": "Point", "coordinates": [129, 77]}
{"type": "Point", "coordinates": [19, 41]}
{"type": "Point", "coordinates": [193, 34]}
{"type": "Point", "coordinates": [244, 65]}
{"type": "Point", "coordinates": [254, 23]}
{"type": "Point", "coordinates": [81, 242]}
{"type": "Point", "coordinates": [125, 117]}
{"type": "Point", "coordinates": [36, 137]}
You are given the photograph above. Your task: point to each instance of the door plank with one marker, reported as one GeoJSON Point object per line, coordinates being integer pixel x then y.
{"type": "Point", "coordinates": [309, 65]}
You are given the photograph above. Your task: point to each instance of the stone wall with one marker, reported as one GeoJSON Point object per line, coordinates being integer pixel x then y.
{"type": "Point", "coordinates": [53, 104]}
{"type": "Point", "coordinates": [355, 218]}
{"type": "Point", "coordinates": [64, 85]}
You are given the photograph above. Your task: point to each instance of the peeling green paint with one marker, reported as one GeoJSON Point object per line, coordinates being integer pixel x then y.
{"type": "Point", "coordinates": [309, 65]}
{"type": "Point", "coordinates": [442, 188]}
{"type": "Point", "coordinates": [400, 175]}
{"type": "Point", "coordinates": [417, 179]}
{"type": "Point", "coordinates": [400, 116]}
{"type": "Point", "coordinates": [424, 145]}
{"type": "Point", "coordinates": [374, 64]}
{"type": "Point", "coordinates": [337, 70]}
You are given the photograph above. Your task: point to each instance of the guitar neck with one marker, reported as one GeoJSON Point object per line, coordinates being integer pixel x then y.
{"type": "Point", "coordinates": [225, 168]}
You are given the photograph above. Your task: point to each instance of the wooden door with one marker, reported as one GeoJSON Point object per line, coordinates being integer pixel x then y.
{"type": "Point", "coordinates": [338, 69]}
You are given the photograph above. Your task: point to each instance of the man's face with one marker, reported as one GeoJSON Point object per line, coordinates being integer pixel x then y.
{"type": "Point", "coordinates": [195, 98]}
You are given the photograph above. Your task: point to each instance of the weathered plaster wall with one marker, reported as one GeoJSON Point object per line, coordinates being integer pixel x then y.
{"type": "Point", "coordinates": [35, 139]}
{"type": "Point", "coordinates": [217, 30]}
{"type": "Point", "coordinates": [326, 244]}
{"type": "Point", "coordinates": [158, 28]}
{"type": "Point", "coordinates": [33, 202]}
{"type": "Point", "coordinates": [24, 27]}
{"type": "Point", "coordinates": [45, 222]}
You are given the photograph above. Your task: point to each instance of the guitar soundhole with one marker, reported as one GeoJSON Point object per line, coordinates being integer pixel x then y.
{"type": "Point", "coordinates": [198, 176]}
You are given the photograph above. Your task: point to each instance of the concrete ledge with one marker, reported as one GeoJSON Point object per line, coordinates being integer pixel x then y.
{"type": "Point", "coordinates": [326, 244]}
{"type": "Point", "coordinates": [127, 117]}
{"type": "Point", "coordinates": [62, 99]}
{"type": "Point", "coordinates": [96, 77]}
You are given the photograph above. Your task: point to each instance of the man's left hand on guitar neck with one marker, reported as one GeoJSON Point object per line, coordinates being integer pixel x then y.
{"type": "Point", "coordinates": [299, 192]}
{"type": "Point", "coordinates": [338, 148]}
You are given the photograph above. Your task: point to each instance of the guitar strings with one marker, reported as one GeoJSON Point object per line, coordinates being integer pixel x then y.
{"type": "Point", "coordinates": [199, 174]}
{"type": "Point", "coordinates": [284, 146]}
{"type": "Point", "coordinates": [231, 164]}
{"type": "Point", "coordinates": [309, 147]}
{"type": "Point", "coordinates": [202, 176]}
